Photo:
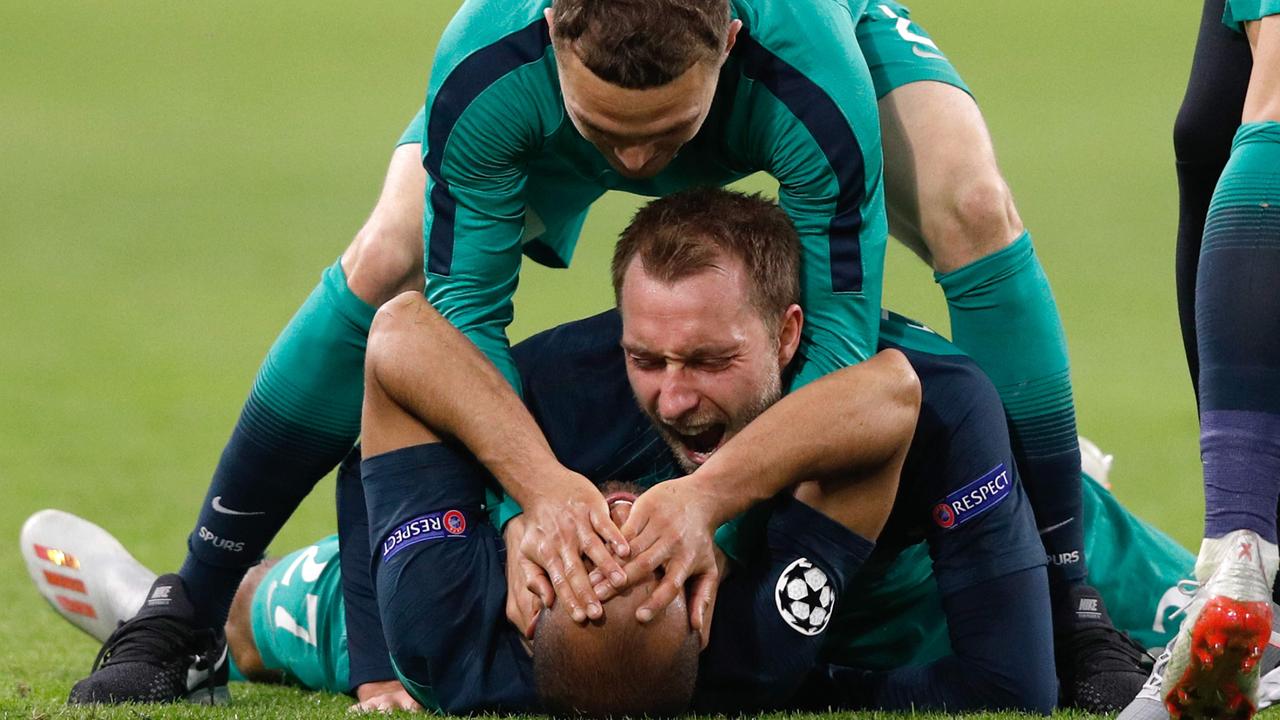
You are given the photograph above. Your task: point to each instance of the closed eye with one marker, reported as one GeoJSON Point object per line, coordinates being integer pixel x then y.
{"type": "Point", "coordinates": [713, 364]}
{"type": "Point", "coordinates": [645, 362]}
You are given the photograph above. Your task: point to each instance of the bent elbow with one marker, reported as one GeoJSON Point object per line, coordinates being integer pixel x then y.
{"type": "Point", "coordinates": [399, 315]}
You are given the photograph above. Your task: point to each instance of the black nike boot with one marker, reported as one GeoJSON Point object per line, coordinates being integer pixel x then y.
{"type": "Point", "coordinates": [159, 656]}
{"type": "Point", "coordinates": [1100, 669]}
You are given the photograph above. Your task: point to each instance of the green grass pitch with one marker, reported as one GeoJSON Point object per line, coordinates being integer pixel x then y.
{"type": "Point", "coordinates": [174, 176]}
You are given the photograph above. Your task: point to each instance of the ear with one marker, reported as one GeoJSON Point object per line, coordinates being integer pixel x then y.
{"type": "Point", "coordinates": [734, 27]}
{"type": "Point", "coordinates": [789, 328]}
{"type": "Point", "coordinates": [551, 21]}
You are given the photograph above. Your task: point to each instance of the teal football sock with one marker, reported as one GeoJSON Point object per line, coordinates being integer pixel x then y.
{"type": "Point", "coordinates": [1004, 316]}
{"type": "Point", "coordinates": [301, 418]}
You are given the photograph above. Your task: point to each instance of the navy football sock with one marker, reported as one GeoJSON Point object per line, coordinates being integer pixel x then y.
{"type": "Point", "coordinates": [301, 418]}
{"type": "Point", "coordinates": [1238, 330]}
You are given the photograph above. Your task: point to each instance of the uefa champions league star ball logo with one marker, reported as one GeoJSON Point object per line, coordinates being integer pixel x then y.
{"type": "Point", "coordinates": [805, 597]}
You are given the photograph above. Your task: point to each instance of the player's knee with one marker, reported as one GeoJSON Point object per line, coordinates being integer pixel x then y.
{"type": "Point", "coordinates": [394, 318]}
{"type": "Point", "coordinates": [384, 259]}
{"type": "Point", "coordinates": [1262, 111]}
{"type": "Point", "coordinates": [980, 219]}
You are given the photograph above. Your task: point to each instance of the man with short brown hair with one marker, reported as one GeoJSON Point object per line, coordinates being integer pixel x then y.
{"type": "Point", "coordinates": [603, 36]}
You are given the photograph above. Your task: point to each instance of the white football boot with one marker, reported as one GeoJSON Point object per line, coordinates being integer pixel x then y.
{"type": "Point", "coordinates": [1215, 659]}
{"type": "Point", "coordinates": [1149, 704]}
{"type": "Point", "coordinates": [1095, 463]}
{"type": "Point", "coordinates": [83, 572]}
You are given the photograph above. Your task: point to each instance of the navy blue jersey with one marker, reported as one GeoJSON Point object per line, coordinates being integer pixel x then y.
{"type": "Point", "coordinates": [575, 381]}
{"type": "Point", "coordinates": [959, 492]}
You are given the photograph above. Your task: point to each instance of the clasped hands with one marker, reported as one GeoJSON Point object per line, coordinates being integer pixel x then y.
{"type": "Point", "coordinates": [567, 548]}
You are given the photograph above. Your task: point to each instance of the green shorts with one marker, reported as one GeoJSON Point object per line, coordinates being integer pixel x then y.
{"type": "Point", "coordinates": [899, 51]}
{"type": "Point", "coordinates": [299, 623]}
{"type": "Point", "coordinates": [1239, 12]}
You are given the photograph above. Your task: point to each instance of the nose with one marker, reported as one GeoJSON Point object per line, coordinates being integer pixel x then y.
{"type": "Point", "coordinates": [635, 157]}
{"type": "Point", "coordinates": [677, 397]}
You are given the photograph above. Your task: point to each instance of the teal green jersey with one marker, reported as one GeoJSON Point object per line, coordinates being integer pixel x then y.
{"type": "Point", "coordinates": [510, 176]}
{"type": "Point", "coordinates": [299, 621]}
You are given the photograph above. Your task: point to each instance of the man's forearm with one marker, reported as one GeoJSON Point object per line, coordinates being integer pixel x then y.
{"type": "Point", "coordinates": [856, 418]}
{"type": "Point", "coordinates": [436, 374]}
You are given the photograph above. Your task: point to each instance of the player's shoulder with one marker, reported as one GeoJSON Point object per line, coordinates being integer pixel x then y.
{"type": "Point", "coordinates": [571, 350]}
{"type": "Point", "coordinates": [950, 380]}
{"type": "Point", "coordinates": [493, 87]}
{"type": "Point", "coordinates": [784, 27]}
{"type": "Point", "coordinates": [903, 333]}
{"type": "Point", "coordinates": [806, 54]}
{"type": "Point", "coordinates": [490, 33]}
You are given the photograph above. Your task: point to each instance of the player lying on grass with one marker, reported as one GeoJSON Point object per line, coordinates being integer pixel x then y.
{"type": "Point", "coordinates": [705, 282]}
{"type": "Point", "coordinates": [430, 441]}
{"type": "Point", "coordinates": [288, 620]}
{"type": "Point", "coordinates": [536, 108]}
{"type": "Point", "coordinates": [723, 357]}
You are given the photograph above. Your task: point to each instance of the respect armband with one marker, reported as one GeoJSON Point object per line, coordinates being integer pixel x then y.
{"type": "Point", "coordinates": [441, 525]}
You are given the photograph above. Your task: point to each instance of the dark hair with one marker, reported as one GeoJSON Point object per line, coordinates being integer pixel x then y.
{"type": "Point", "coordinates": [682, 234]}
{"type": "Point", "coordinates": [639, 44]}
{"type": "Point", "coordinates": [616, 666]}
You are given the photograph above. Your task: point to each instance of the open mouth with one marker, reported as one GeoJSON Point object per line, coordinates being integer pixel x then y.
{"type": "Point", "coordinates": [620, 497]}
{"type": "Point", "coordinates": [701, 444]}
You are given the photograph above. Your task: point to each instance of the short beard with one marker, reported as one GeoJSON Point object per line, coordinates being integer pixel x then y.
{"type": "Point", "coordinates": [769, 394]}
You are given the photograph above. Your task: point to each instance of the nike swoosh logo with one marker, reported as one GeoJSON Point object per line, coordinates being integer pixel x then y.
{"type": "Point", "coordinates": [926, 54]}
{"type": "Point", "coordinates": [1055, 526]}
{"type": "Point", "coordinates": [196, 677]}
{"type": "Point", "coordinates": [219, 507]}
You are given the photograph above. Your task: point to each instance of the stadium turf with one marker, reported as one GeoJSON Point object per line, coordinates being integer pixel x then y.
{"type": "Point", "coordinates": [174, 176]}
